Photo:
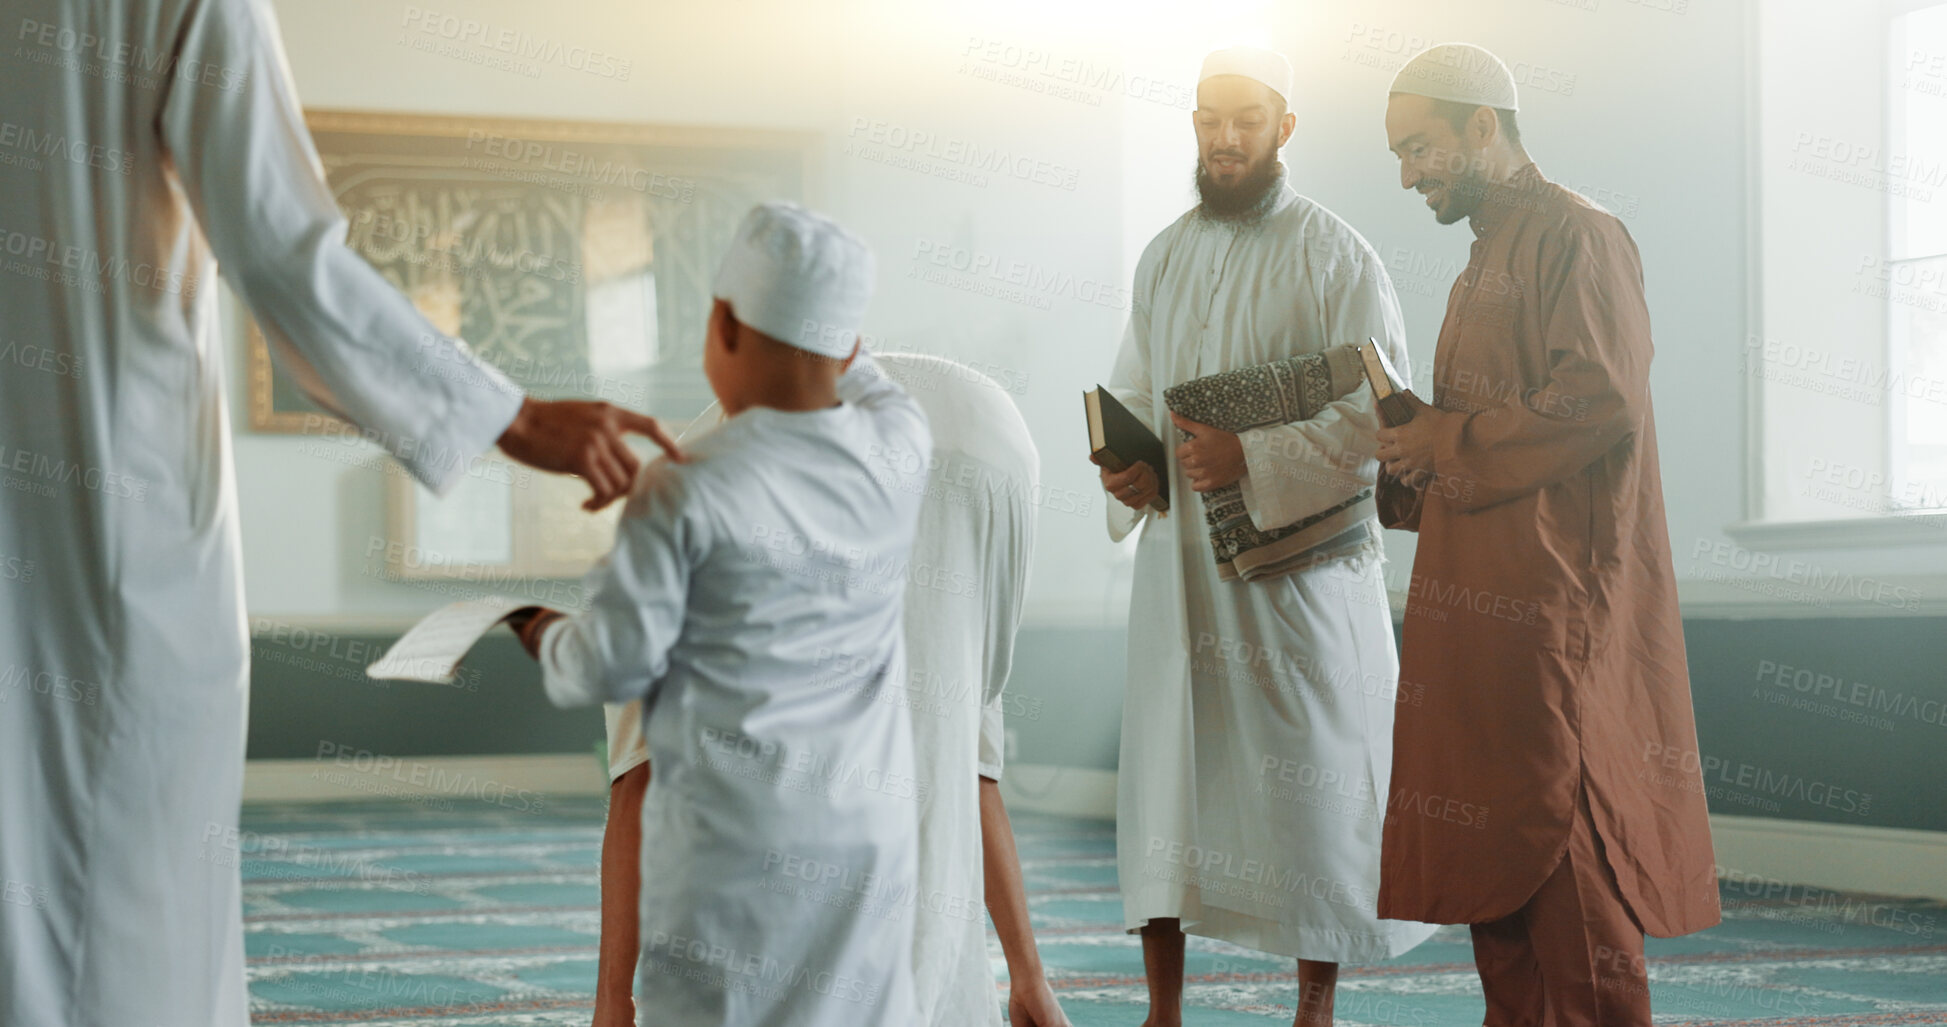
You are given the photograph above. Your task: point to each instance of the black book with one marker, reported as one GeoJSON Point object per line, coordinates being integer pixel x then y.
{"type": "Point", "coordinates": [1117, 441]}
{"type": "Point", "coordinates": [1386, 386]}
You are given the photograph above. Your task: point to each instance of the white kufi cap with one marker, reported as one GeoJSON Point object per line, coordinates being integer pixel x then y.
{"type": "Point", "coordinates": [1460, 72]}
{"type": "Point", "coordinates": [1266, 66]}
{"type": "Point", "coordinates": [798, 277]}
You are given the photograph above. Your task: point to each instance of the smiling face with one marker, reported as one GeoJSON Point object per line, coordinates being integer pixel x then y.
{"type": "Point", "coordinates": [1443, 163]}
{"type": "Point", "coordinates": [1241, 124]}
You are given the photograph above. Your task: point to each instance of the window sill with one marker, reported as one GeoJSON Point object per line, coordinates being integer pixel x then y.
{"type": "Point", "coordinates": [1890, 530]}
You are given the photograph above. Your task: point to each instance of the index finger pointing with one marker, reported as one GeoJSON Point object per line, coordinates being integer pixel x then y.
{"type": "Point", "coordinates": [642, 424]}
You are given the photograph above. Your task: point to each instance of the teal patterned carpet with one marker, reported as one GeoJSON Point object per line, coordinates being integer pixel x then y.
{"type": "Point", "coordinates": [388, 913]}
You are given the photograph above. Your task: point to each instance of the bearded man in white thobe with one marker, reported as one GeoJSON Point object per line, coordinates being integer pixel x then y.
{"type": "Point", "coordinates": [1257, 728]}
{"type": "Point", "coordinates": [168, 136]}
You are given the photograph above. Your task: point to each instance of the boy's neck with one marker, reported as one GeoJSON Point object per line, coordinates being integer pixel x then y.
{"type": "Point", "coordinates": [792, 397]}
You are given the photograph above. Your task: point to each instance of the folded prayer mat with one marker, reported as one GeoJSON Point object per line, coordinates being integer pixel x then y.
{"type": "Point", "coordinates": [1280, 392]}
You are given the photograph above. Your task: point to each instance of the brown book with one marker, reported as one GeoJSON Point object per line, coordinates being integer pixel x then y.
{"type": "Point", "coordinates": [1118, 440]}
{"type": "Point", "coordinates": [1386, 386]}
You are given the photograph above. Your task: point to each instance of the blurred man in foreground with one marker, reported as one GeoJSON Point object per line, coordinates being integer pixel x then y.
{"type": "Point", "coordinates": [173, 140]}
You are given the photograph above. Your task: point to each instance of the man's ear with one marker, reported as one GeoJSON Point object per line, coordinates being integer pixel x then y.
{"type": "Point", "coordinates": [849, 357]}
{"type": "Point", "coordinates": [723, 322]}
{"type": "Point", "coordinates": [1484, 126]}
{"type": "Point", "coordinates": [1287, 125]}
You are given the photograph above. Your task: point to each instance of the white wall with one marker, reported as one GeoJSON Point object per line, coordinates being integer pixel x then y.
{"type": "Point", "coordinates": [821, 68]}
{"type": "Point", "coordinates": [1638, 104]}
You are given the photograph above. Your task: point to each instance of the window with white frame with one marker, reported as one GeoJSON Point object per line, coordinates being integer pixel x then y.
{"type": "Point", "coordinates": [1913, 278]}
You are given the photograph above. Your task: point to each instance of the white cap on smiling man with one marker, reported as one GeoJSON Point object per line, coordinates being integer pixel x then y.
{"type": "Point", "coordinates": [1461, 73]}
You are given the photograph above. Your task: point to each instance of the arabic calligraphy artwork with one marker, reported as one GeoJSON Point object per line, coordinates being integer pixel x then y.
{"type": "Point", "coordinates": [575, 256]}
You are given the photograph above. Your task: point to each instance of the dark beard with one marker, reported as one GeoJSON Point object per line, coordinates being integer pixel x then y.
{"type": "Point", "coordinates": [1464, 197]}
{"type": "Point", "coordinates": [1466, 189]}
{"type": "Point", "coordinates": [1244, 201]}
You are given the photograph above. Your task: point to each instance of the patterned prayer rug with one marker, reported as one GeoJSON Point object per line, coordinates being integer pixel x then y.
{"type": "Point", "coordinates": [463, 913]}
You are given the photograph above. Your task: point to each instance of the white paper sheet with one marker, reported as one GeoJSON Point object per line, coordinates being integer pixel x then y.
{"type": "Point", "coordinates": [432, 649]}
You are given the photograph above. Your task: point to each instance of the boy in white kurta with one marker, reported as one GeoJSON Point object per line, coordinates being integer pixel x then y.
{"type": "Point", "coordinates": [780, 826]}
{"type": "Point", "coordinates": [969, 577]}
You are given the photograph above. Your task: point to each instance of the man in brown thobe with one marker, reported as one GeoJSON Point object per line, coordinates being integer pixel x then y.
{"type": "Point", "coordinates": [1546, 784]}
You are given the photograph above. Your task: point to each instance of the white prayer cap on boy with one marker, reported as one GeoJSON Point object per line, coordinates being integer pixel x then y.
{"type": "Point", "coordinates": [798, 277]}
{"type": "Point", "coordinates": [1252, 62]}
{"type": "Point", "coordinates": [1460, 72]}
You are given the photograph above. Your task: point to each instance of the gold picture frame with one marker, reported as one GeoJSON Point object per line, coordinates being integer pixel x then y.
{"type": "Point", "coordinates": [689, 184]}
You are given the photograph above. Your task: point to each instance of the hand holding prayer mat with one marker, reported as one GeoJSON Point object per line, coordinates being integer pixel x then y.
{"type": "Point", "coordinates": [1280, 392]}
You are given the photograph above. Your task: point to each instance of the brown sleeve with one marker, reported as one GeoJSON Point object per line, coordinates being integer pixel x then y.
{"type": "Point", "coordinates": [1597, 338]}
{"type": "Point", "coordinates": [1399, 503]}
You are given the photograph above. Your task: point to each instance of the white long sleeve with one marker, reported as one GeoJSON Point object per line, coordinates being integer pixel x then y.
{"type": "Point", "coordinates": [356, 345]}
{"type": "Point", "coordinates": [1296, 470]}
{"type": "Point", "coordinates": [619, 648]}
